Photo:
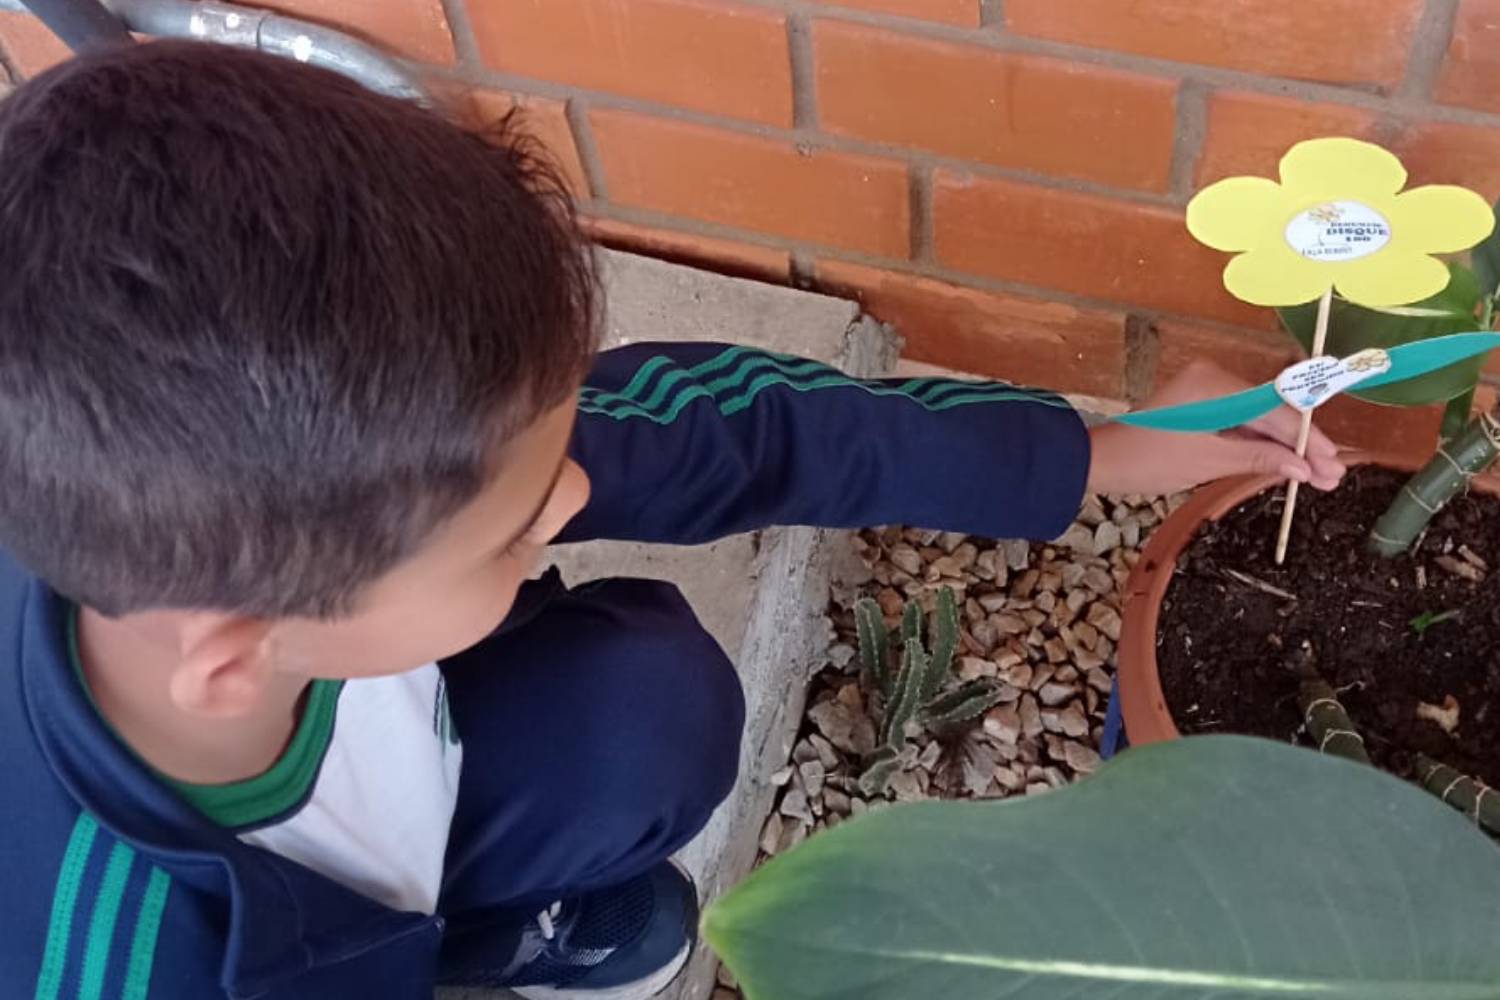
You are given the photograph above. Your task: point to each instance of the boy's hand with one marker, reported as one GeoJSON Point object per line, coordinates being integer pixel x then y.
{"type": "Point", "coordinates": [1136, 460]}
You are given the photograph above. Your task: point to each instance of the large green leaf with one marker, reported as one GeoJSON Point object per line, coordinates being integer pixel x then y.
{"type": "Point", "coordinates": [1486, 260]}
{"type": "Point", "coordinates": [1353, 328]}
{"type": "Point", "coordinates": [1213, 867]}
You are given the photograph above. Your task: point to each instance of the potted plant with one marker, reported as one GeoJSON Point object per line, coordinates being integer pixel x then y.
{"type": "Point", "coordinates": [1376, 629]}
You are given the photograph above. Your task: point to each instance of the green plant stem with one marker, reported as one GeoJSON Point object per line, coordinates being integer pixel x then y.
{"type": "Point", "coordinates": [1476, 800]}
{"type": "Point", "coordinates": [879, 768]}
{"type": "Point", "coordinates": [1437, 482]}
{"type": "Point", "coordinates": [948, 714]}
{"type": "Point", "coordinates": [1323, 714]}
{"type": "Point", "coordinates": [1456, 416]}
{"type": "Point", "coordinates": [874, 644]}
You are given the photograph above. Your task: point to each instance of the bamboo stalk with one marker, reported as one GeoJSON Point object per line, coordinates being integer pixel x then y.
{"type": "Point", "coordinates": [1320, 337]}
{"type": "Point", "coordinates": [1323, 714]}
{"type": "Point", "coordinates": [1429, 490]}
{"type": "Point", "coordinates": [1456, 415]}
{"type": "Point", "coordinates": [1473, 798]}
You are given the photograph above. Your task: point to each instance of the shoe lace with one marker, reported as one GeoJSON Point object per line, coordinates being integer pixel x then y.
{"type": "Point", "coordinates": [546, 920]}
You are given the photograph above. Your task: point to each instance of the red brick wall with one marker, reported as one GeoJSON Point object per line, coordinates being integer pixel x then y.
{"type": "Point", "coordinates": [1002, 178]}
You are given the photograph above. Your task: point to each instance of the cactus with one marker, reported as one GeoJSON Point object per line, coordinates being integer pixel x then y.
{"type": "Point", "coordinates": [944, 644]}
{"type": "Point", "coordinates": [914, 690]}
{"type": "Point", "coordinates": [911, 624]}
{"type": "Point", "coordinates": [874, 644]}
{"type": "Point", "coordinates": [948, 713]}
{"type": "Point", "coordinates": [906, 696]}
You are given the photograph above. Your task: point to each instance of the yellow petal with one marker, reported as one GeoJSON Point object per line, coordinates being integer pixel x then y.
{"type": "Point", "coordinates": [1272, 275]}
{"type": "Point", "coordinates": [1390, 278]}
{"type": "Point", "coordinates": [1440, 218]}
{"type": "Point", "coordinates": [1330, 169]}
{"type": "Point", "coordinates": [1233, 214]}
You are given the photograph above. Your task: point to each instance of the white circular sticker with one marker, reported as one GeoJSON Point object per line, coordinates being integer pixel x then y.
{"type": "Point", "coordinates": [1338, 230]}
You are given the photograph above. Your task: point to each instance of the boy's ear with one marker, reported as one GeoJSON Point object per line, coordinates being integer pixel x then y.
{"type": "Point", "coordinates": [224, 668]}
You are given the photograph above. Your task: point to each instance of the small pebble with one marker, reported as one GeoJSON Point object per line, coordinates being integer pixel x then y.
{"type": "Point", "coordinates": [770, 834]}
{"type": "Point", "coordinates": [1054, 694]}
{"type": "Point", "coordinates": [1008, 779]}
{"type": "Point", "coordinates": [905, 786]}
{"type": "Point", "coordinates": [1105, 618]}
{"type": "Point", "coordinates": [794, 806]}
{"type": "Point", "coordinates": [1003, 723]}
{"type": "Point", "coordinates": [1080, 758]}
{"type": "Point", "coordinates": [1074, 723]}
{"type": "Point", "coordinates": [1106, 538]}
{"type": "Point", "coordinates": [1031, 716]}
{"type": "Point", "coordinates": [972, 668]}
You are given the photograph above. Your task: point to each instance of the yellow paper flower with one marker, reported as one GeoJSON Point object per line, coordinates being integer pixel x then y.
{"type": "Point", "coordinates": [1337, 218]}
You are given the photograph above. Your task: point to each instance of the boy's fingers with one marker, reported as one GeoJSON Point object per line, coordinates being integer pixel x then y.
{"type": "Point", "coordinates": [1281, 424]}
{"type": "Point", "coordinates": [1326, 469]}
{"type": "Point", "coordinates": [1262, 457]}
{"type": "Point", "coordinates": [1321, 444]}
{"type": "Point", "coordinates": [1284, 424]}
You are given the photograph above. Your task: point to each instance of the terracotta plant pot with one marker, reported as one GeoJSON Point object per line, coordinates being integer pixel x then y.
{"type": "Point", "coordinates": [1142, 703]}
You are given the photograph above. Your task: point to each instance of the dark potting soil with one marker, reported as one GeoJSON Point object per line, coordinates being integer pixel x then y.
{"type": "Point", "coordinates": [1225, 645]}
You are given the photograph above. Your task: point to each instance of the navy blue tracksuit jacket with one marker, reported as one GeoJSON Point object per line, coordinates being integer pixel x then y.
{"type": "Point", "coordinates": [111, 886]}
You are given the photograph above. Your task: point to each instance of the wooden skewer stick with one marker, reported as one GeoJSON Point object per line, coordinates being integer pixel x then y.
{"type": "Point", "coordinates": [1320, 335]}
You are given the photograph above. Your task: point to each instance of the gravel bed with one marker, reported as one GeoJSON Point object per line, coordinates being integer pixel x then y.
{"type": "Point", "coordinates": [1041, 619]}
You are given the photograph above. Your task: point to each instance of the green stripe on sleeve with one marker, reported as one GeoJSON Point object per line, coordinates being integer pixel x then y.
{"type": "Point", "coordinates": [64, 900]}
{"type": "Point", "coordinates": [102, 923]}
{"type": "Point", "coordinates": [736, 389]}
{"type": "Point", "coordinates": [980, 394]}
{"type": "Point", "coordinates": [631, 392]}
{"type": "Point", "coordinates": [143, 943]}
{"type": "Point", "coordinates": [643, 375]}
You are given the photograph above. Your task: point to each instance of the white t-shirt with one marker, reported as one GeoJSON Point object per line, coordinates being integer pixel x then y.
{"type": "Point", "coordinates": [381, 804]}
{"type": "Point", "coordinates": [364, 792]}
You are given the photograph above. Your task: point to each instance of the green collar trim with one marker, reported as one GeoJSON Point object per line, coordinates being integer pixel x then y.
{"type": "Point", "coordinates": [278, 790]}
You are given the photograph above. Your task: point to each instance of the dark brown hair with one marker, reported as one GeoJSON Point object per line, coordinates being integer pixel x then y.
{"type": "Point", "coordinates": [262, 330]}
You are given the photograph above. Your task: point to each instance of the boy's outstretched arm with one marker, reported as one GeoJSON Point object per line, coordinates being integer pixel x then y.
{"type": "Point", "coordinates": [685, 443]}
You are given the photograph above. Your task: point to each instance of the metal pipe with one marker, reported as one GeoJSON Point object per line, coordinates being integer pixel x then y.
{"type": "Point", "coordinates": [81, 24]}
{"type": "Point", "coordinates": [253, 28]}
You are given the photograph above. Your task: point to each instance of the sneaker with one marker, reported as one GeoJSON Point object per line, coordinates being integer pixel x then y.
{"type": "Point", "coordinates": [627, 942]}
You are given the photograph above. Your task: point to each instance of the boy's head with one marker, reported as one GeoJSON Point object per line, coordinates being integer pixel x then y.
{"type": "Point", "coordinates": [268, 340]}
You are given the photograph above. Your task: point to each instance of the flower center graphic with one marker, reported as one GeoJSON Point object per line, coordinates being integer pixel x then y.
{"type": "Point", "coordinates": [1338, 231]}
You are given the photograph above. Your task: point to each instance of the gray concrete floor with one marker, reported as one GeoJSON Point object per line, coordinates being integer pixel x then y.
{"type": "Point", "coordinates": [762, 596]}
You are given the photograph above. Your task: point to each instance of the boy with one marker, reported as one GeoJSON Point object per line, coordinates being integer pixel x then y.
{"type": "Point", "coordinates": [289, 407]}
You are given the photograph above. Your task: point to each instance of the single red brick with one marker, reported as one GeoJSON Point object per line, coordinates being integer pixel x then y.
{"type": "Point", "coordinates": [1249, 132]}
{"type": "Point", "coordinates": [1353, 423]}
{"type": "Point", "coordinates": [1335, 41]}
{"type": "Point", "coordinates": [1022, 340]}
{"type": "Point", "coordinates": [1471, 71]}
{"type": "Point", "coordinates": [961, 12]}
{"type": "Point", "coordinates": [719, 57]}
{"type": "Point", "coordinates": [1445, 153]}
{"type": "Point", "coordinates": [1029, 112]}
{"type": "Point", "coordinates": [821, 196]}
{"type": "Point", "coordinates": [28, 45]}
{"type": "Point", "coordinates": [1254, 355]}
{"type": "Point", "coordinates": [725, 256]}
{"type": "Point", "coordinates": [544, 119]}
{"type": "Point", "coordinates": [1103, 248]}
{"type": "Point", "coordinates": [413, 29]}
